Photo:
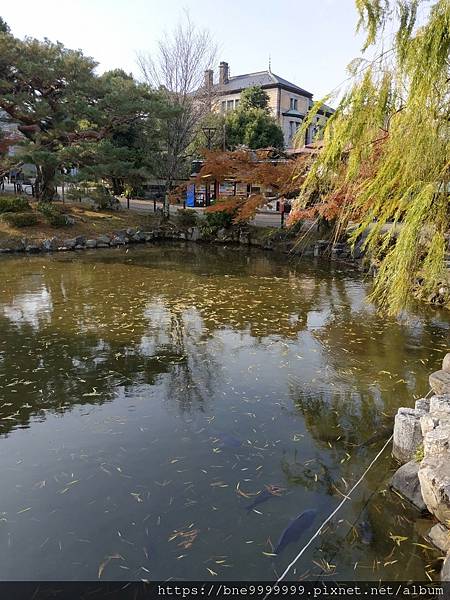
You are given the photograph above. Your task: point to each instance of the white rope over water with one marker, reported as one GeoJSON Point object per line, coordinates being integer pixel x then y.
{"type": "Point", "coordinates": [328, 519]}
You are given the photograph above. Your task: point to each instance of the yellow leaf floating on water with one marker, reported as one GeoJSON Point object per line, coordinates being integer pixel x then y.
{"type": "Point", "coordinates": [107, 560]}
{"type": "Point", "coordinates": [398, 539]}
{"type": "Point", "coordinates": [211, 571]}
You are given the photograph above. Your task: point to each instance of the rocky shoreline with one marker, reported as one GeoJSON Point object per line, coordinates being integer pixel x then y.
{"type": "Point", "coordinates": [421, 442]}
{"type": "Point", "coordinates": [125, 237]}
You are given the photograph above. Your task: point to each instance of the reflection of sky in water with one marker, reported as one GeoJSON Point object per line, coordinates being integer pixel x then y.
{"type": "Point", "coordinates": [33, 308]}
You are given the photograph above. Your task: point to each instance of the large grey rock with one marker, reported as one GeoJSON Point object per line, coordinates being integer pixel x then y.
{"type": "Point", "coordinates": [440, 382]}
{"type": "Point", "coordinates": [446, 363]}
{"type": "Point", "coordinates": [91, 243]}
{"type": "Point", "coordinates": [244, 238]}
{"type": "Point", "coordinates": [138, 237]}
{"type": "Point", "coordinates": [428, 423]}
{"type": "Point", "coordinates": [434, 477]}
{"type": "Point", "coordinates": [423, 404]}
{"type": "Point", "coordinates": [437, 441]}
{"type": "Point", "coordinates": [440, 406]}
{"type": "Point", "coordinates": [439, 536]}
{"type": "Point", "coordinates": [407, 433]}
{"type": "Point", "coordinates": [406, 481]}
{"type": "Point", "coordinates": [445, 572]}
{"type": "Point", "coordinates": [103, 239]}
{"type": "Point", "coordinates": [32, 248]}
{"type": "Point", "coordinates": [193, 233]}
{"type": "Point", "coordinates": [69, 243]}
{"type": "Point", "coordinates": [49, 245]}
{"type": "Point", "coordinates": [148, 236]}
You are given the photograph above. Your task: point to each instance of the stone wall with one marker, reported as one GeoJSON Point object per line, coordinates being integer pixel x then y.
{"type": "Point", "coordinates": [422, 442]}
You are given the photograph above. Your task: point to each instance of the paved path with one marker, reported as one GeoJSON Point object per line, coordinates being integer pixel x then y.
{"type": "Point", "coordinates": [262, 219]}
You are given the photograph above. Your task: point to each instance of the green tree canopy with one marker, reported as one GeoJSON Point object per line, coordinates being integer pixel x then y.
{"type": "Point", "coordinates": [254, 97]}
{"type": "Point", "coordinates": [251, 124]}
{"type": "Point", "coordinates": [65, 112]}
{"type": "Point", "coordinates": [4, 28]}
{"type": "Point", "coordinates": [385, 161]}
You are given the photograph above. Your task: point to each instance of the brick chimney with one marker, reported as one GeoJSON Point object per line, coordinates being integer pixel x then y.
{"type": "Point", "coordinates": [209, 78]}
{"type": "Point", "coordinates": [224, 70]}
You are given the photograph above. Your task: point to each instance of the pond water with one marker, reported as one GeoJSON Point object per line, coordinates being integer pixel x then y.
{"type": "Point", "coordinates": [148, 395]}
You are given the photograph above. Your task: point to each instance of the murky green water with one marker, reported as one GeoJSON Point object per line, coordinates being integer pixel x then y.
{"type": "Point", "coordinates": [147, 395]}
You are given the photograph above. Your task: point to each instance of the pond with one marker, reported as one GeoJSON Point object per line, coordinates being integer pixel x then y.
{"type": "Point", "coordinates": [150, 395]}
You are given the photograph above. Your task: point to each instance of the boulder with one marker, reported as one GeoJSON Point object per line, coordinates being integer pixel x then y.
{"type": "Point", "coordinates": [437, 440]}
{"type": "Point", "coordinates": [440, 382]}
{"type": "Point", "coordinates": [138, 237]}
{"type": "Point", "coordinates": [49, 245]}
{"type": "Point", "coordinates": [103, 239]}
{"type": "Point", "coordinates": [244, 238]}
{"type": "Point", "coordinates": [422, 404]}
{"type": "Point", "coordinates": [407, 433]}
{"type": "Point", "coordinates": [434, 477]}
{"type": "Point", "coordinates": [32, 248]}
{"type": "Point", "coordinates": [91, 243]}
{"type": "Point", "coordinates": [440, 406]}
{"type": "Point", "coordinates": [445, 572]}
{"type": "Point", "coordinates": [193, 233]}
{"type": "Point", "coordinates": [148, 236]}
{"type": "Point", "coordinates": [70, 243]}
{"type": "Point", "coordinates": [119, 240]}
{"type": "Point", "coordinates": [406, 481]}
{"type": "Point", "coordinates": [439, 536]}
{"type": "Point", "coordinates": [446, 363]}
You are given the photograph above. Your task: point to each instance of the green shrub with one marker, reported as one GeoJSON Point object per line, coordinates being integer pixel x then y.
{"type": "Point", "coordinates": [54, 215]}
{"type": "Point", "coordinates": [218, 220]}
{"type": "Point", "coordinates": [14, 205]}
{"type": "Point", "coordinates": [187, 217]}
{"type": "Point", "coordinates": [16, 219]}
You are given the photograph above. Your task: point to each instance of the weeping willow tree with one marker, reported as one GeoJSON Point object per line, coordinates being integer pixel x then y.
{"type": "Point", "coordinates": [384, 165]}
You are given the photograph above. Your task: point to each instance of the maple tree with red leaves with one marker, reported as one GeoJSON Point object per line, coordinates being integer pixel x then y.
{"type": "Point", "coordinates": [281, 177]}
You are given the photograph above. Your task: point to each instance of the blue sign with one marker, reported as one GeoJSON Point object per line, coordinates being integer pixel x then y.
{"type": "Point", "coordinates": [190, 196]}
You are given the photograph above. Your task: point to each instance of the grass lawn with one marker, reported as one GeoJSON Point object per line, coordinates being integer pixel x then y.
{"type": "Point", "coordinates": [88, 223]}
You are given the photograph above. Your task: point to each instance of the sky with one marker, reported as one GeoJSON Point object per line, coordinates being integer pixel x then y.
{"type": "Point", "coordinates": [310, 42]}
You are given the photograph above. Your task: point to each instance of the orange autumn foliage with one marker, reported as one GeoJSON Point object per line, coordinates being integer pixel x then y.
{"type": "Point", "coordinates": [275, 173]}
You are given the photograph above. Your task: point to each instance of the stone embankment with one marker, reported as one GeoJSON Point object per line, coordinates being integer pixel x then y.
{"type": "Point", "coordinates": [125, 237]}
{"type": "Point", "coordinates": [422, 443]}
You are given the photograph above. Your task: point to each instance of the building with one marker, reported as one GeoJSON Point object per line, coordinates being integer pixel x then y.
{"type": "Point", "coordinates": [288, 102]}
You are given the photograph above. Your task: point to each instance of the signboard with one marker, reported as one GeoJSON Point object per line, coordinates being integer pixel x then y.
{"type": "Point", "coordinates": [190, 196]}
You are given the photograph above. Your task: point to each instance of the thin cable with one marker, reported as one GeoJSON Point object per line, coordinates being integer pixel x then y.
{"type": "Point", "coordinates": [328, 519]}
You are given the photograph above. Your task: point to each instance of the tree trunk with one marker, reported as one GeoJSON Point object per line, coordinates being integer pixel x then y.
{"type": "Point", "coordinates": [166, 203]}
{"type": "Point", "coordinates": [45, 183]}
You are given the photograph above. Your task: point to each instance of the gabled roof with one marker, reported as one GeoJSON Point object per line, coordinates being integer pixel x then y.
{"type": "Point", "coordinates": [262, 79]}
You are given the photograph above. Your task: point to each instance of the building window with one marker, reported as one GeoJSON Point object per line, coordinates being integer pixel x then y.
{"type": "Point", "coordinates": [294, 104]}
{"type": "Point", "coordinates": [224, 106]}
{"type": "Point", "coordinates": [230, 105]}
{"type": "Point", "coordinates": [236, 102]}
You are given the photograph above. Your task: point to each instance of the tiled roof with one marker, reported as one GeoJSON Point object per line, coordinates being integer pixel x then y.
{"type": "Point", "coordinates": [262, 79]}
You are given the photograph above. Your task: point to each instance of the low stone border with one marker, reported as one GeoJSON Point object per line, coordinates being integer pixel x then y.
{"type": "Point", "coordinates": [337, 251]}
{"type": "Point", "coordinates": [422, 442]}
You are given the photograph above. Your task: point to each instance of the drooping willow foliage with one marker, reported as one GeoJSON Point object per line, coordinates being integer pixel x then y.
{"type": "Point", "coordinates": [385, 160]}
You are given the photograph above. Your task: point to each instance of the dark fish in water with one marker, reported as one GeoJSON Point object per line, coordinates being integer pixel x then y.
{"type": "Point", "coordinates": [223, 439]}
{"type": "Point", "coordinates": [381, 435]}
{"type": "Point", "coordinates": [269, 492]}
{"type": "Point", "coordinates": [365, 532]}
{"type": "Point", "coordinates": [295, 529]}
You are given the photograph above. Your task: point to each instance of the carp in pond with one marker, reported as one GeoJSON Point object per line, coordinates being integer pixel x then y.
{"type": "Point", "coordinates": [295, 529]}
{"type": "Point", "coordinates": [269, 492]}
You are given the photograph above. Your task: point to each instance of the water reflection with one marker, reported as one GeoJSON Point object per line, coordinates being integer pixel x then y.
{"type": "Point", "coordinates": [149, 394]}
